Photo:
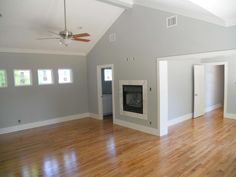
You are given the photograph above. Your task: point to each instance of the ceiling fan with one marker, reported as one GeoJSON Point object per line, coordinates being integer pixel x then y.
{"type": "Point", "coordinates": [66, 36]}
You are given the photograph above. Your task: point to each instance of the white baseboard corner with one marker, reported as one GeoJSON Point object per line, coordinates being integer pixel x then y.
{"type": "Point", "coordinates": [134, 126]}
{"type": "Point", "coordinates": [95, 116]}
{"type": "Point", "coordinates": [230, 116]}
{"type": "Point", "coordinates": [213, 107]}
{"type": "Point", "coordinates": [43, 123]}
{"type": "Point", "coordinates": [180, 119]}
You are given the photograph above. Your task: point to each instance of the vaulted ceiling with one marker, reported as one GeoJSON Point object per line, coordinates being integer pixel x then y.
{"type": "Point", "coordinates": [221, 12]}
{"type": "Point", "coordinates": [22, 22]}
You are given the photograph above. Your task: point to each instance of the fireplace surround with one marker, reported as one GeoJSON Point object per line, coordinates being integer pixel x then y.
{"type": "Point", "coordinates": [133, 98]}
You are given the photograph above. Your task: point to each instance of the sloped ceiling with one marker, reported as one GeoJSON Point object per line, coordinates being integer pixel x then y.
{"type": "Point", "coordinates": [23, 21]}
{"type": "Point", "coordinates": [220, 12]}
{"type": "Point", "coordinates": [224, 9]}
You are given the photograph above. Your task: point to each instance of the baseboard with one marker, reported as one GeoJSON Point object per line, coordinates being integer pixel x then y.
{"type": "Point", "coordinates": [134, 126]}
{"type": "Point", "coordinates": [230, 116]}
{"type": "Point", "coordinates": [213, 107]}
{"type": "Point", "coordinates": [42, 123]}
{"type": "Point", "coordinates": [180, 119]}
{"type": "Point", "coordinates": [95, 116]}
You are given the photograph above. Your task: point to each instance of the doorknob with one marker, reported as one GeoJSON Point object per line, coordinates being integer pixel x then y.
{"type": "Point", "coordinates": [195, 94]}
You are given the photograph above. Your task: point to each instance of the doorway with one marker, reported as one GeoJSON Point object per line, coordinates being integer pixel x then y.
{"type": "Point", "coordinates": [105, 81]}
{"type": "Point", "coordinates": [210, 88]}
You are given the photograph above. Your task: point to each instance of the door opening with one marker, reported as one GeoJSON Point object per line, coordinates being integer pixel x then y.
{"type": "Point", "coordinates": [210, 91]}
{"type": "Point", "coordinates": [105, 80]}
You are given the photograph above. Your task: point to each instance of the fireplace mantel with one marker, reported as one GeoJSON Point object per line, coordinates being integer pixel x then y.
{"type": "Point", "coordinates": [143, 84]}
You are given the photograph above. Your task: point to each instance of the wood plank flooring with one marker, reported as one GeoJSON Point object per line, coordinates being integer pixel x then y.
{"type": "Point", "coordinates": [205, 147]}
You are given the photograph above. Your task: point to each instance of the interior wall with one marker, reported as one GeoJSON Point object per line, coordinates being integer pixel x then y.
{"type": "Point", "coordinates": [142, 37]}
{"type": "Point", "coordinates": [38, 103]}
{"type": "Point", "coordinates": [214, 83]}
{"type": "Point", "coordinates": [180, 84]}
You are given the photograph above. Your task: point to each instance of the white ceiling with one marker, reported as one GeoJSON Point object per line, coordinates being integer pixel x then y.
{"type": "Point", "coordinates": [224, 9]}
{"type": "Point", "coordinates": [23, 21]}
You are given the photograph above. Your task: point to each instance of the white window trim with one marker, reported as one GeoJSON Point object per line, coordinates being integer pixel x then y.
{"type": "Point", "coordinates": [71, 75]}
{"type": "Point", "coordinates": [5, 79]}
{"type": "Point", "coordinates": [53, 78]}
{"type": "Point", "coordinates": [31, 79]}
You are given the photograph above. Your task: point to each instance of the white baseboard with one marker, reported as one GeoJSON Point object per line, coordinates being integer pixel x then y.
{"type": "Point", "coordinates": [180, 119]}
{"type": "Point", "coordinates": [141, 128]}
{"type": "Point", "coordinates": [213, 107]}
{"type": "Point", "coordinates": [42, 123]}
{"type": "Point", "coordinates": [230, 116]}
{"type": "Point", "coordinates": [95, 116]}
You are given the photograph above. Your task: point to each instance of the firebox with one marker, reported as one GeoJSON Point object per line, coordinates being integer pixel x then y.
{"type": "Point", "coordinates": [133, 98]}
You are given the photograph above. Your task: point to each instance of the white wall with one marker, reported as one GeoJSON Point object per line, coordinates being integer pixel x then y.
{"type": "Point", "coordinates": [214, 85]}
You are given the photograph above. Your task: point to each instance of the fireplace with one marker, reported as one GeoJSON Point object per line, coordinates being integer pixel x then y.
{"type": "Point", "coordinates": [133, 98]}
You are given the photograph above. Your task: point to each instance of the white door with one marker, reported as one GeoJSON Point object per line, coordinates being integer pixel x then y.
{"type": "Point", "coordinates": [199, 90]}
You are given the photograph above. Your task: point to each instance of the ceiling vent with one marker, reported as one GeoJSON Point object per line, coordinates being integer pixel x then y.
{"type": "Point", "coordinates": [171, 21]}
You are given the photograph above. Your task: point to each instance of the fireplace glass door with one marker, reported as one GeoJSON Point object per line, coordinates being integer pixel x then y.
{"type": "Point", "coordinates": [133, 98]}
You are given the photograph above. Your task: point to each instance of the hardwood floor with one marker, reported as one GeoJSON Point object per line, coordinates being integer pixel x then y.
{"type": "Point", "coordinates": [205, 147]}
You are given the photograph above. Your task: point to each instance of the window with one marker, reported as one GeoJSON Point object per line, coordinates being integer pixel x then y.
{"type": "Point", "coordinates": [45, 77]}
{"type": "Point", "coordinates": [3, 78]}
{"type": "Point", "coordinates": [22, 77]}
{"type": "Point", "coordinates": [64, 76]}
{"type": "Point", "coordinates": [108, 74]}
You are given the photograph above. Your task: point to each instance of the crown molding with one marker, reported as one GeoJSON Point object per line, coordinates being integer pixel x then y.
{"type": "Point", "coordinates": [38, 51]}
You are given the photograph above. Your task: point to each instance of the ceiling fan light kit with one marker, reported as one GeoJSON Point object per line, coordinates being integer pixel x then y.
{"type": "Point", "coordinates": [66, 36]}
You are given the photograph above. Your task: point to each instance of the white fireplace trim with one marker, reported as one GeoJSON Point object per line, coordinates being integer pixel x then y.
{"type": "Point", "coordinates": [143, 83]}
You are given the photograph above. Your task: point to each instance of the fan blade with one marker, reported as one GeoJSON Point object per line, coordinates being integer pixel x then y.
{"type": "Point", "coordinates": [82, 40]}
{"type": "Point", "coordinates": [54, 33]}
{"type": "Point", "coordinates": [45, 38]}
{"type": "Point", "coordinates": [81, 35]}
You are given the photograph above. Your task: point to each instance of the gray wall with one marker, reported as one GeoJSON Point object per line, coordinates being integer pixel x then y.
{"type": "Point", "coordinates": [214, 85]}
{"type": "Point", "coordinates": [142, 34]}
{"type": "Point", "coordinates": [231, 98]}
{"type": "Point", "coordinates": [38, 103]}
{"type": "Point", "coordinates": [180, 84]}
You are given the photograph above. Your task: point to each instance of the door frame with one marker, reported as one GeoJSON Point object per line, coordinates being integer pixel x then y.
{"type": "Point", "coordinates": [225, 64]}
{"type": "Point", "coordinates": [99, 90]}
{"type": "Point", "coordinates": [162, 97]}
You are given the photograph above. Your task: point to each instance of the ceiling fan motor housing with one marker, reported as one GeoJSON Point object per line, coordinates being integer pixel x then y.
{"type": "Point", "coordinates": [66, 34]}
